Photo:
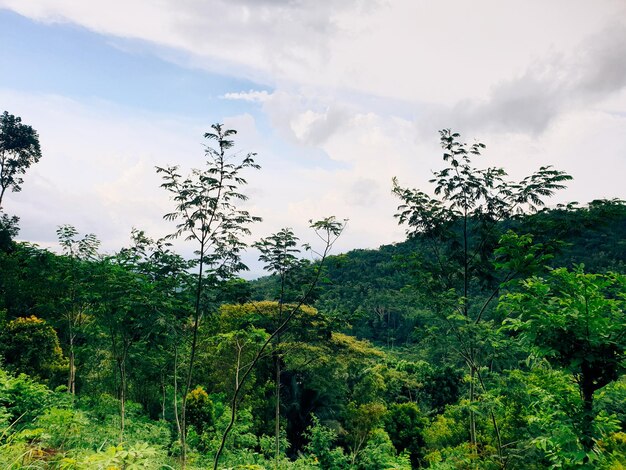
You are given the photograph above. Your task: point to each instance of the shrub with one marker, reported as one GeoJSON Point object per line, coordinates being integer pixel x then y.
{"type": "Point", "coordinates": [31, 346]}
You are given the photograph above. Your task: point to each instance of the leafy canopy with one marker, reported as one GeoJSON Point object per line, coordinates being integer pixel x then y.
{"type": "Point", "coordinates": [464, 190]}
{"type": "Point", "coordinates": [206, 204]}
{"type": "Point", "coordinates": [575, 319]}
{"type": "Point", "coordinates": [19, 149]}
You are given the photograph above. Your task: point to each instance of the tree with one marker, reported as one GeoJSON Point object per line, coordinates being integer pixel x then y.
{"type": "Point", "coordinates": [19, 149]}
{"type": "Point", "coordinates": [201, 412]}
{"type": "Point", "coordinates": [405, 424]}
{"type": "Point", "coordinates": [207, 213]}
{"type": "Point", "coordinates": [322, 445]}
{"type": "Point", "coordinates": [328, 230]}
{"type": "Point", "coordinates": [307, 328]}
{"type": "Point", "coordinates": [461, 228]}
{"type": "Point", "coordinates": [76, 251]}
{"type": "Point", "coordinates": [172, 281]}
{"type": "Point", "coordinates": [126, 311]}
{"type": "Point", "coordinates": [577, 321]}
{"type": "Point", "coordinates": [279, 253]}
{"type": "Point", "coordinates": [363, 422]}
{"type": "Point", "coordinates": [8, 231]}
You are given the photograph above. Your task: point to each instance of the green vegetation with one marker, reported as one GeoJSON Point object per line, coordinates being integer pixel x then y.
{"type": "Point", "coordinates": [494, 337]}
{"type": "Point", "coordinates": [19, 149]}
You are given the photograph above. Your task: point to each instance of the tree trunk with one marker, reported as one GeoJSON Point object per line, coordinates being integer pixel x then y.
{"type": "Point", "coordinates": [277, 378]}
{"type": "Point", "coordinates": [122, 369]}
{"type": "Point", "coordinates": [233, 403]}
{"type": "Point", "coordinates": [3, 189]}
{"type": "Point", "coordinates": [163, 396]}
{"type": "Point", "coordinates": [176, 416]}
{"type": "Point", "coordinates": [472, 415]}
{"type": "Point", "coordinates": [586, 389]}
{"type": "Point", "coordinates": [277, 411]}
{"type": "Point", "coordinates": [71, 381]}
{"type": "Point", "coordinates": [192, 356]}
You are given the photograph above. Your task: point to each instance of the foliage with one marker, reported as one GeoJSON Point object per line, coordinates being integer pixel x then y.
{"type": "Point", "coordinates": [279, 252]}
{"type": "Point", "coordinates": [380, 453]}
{"type": "Point", "coordinates": [19, 149]}
{"type": "Point", "coordinates": [21, 398]}
{"type": "Point", "coordinates": [31, 346]}
{"type": "Point", "coordinates": [461, 225]}
{"type": "Point", "coordinates": [138, 456]}
{"type": "Point", "coordinates": [328, 230]}
{"type": "Point", "coordinates": [8, 231]}
{"type": "Point", "coordinates": [365, 292]}
{"type": "Point", "coordinates": [576, 320]}
{"type": "Point", "coordinates": [362, 421]}
{"type": "Point", "coordinates": [207, 213]}
{"type": "Point", "coordinates": [205, 204]}
{"type": "Point", "coordinates": [405, 424]}
{"type": "Point", "coordinates": [200, 410]}
{"type": "Point", "coordinates": [322, 446]}
{"type": "Point", "coordinates": [263, 315]}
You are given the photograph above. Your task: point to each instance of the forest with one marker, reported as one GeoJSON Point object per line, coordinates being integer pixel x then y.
{"type": "Point", "coordinates": [493, 337]}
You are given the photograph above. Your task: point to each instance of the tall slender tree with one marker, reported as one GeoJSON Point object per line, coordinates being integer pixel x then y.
{"type": "Point", "coordinates": [279, 253]}
{"type": "Point", "coordinates": [207, 213]}
{"type": "Point", "coordinates": [461, 227]}
{"type": "Point", "coordinates": [125, 314]}
{"type": "Point", "coordinates": [172, 283]}
{"type": "Point", "coordinates": [77, 251]}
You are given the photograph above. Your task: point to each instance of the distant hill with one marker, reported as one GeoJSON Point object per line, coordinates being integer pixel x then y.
{"type": "Point", "coordinates": [368, 292]}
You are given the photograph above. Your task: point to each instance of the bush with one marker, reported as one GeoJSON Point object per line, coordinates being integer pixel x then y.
{"type": "Point", "coordinates": [23, 399]}
{"type": "Point", "coordinates": [62, 428]}
{"type": "Point", "coordinates": [31, 346]}
{"type": "Point", "coordinates": [405, 425]}
{"type": "Point", "coordinates": [322, 449]}
{"type": "Point", "coordinates": [200, 410]}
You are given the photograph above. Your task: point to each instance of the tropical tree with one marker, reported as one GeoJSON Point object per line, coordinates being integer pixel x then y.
{"type": "Point", "coordinates": [328, 230]}
{"type": "Point", "coordinates": [405, 424]}
{"type": "Point", "coordinates": [126, 316]}
{"type": "Point", "coordinates": [577, 321]}
{"type": "Point", "coordinates": [361, 422]}
{"type": "Point", "coordinates": [460, 226]}
{"type": "Point", "coordinates": [8, 231]}
{"type": "Point", "coordinates": [279, 253]}
{"type": "Point", "coordinates": [169, 275]}
{"type": "Point", "coordinates": [207, 213]}
{"type": "Point", "coordinates": [19, 149]}
{"type": "Point", "coordinates": [75, 304]}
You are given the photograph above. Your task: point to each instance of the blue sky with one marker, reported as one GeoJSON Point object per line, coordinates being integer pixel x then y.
{"type": "Point", "coordinates": [69, 60]}
{"type": "Point", "coordinates": [335, 97]}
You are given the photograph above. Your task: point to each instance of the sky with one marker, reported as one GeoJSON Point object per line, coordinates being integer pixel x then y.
{"type": "Point", "coordinates": [335, 97]}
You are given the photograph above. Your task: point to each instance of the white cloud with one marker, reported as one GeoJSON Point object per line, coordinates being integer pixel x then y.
{"type": "Point", "coordinates": [97, 170]}
{"type": "Point", "coordinates": [548, 88]}
{"type": "Point", "coordinates": [251, 96]}
{"type": "Point", "coordinates": [414, 50]}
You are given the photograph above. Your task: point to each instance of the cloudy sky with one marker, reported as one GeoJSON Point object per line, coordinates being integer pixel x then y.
{"type": "Point", "coordinates": [335, 96]}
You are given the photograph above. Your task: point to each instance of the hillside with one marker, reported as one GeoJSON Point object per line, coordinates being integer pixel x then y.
{"type": "Point", "coordinates": [371, 293]}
